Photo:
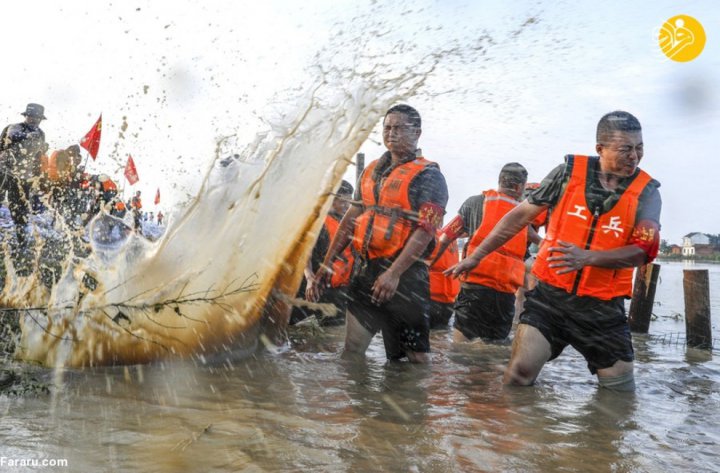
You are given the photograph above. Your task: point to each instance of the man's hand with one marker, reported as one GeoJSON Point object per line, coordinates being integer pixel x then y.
{"type": "Point", "coordinates": [385, 286]}
{"type": "Point", "coordinates": [316, 284]}
{"type": "Point", "coordinates": [464, 266]}
{"type": "Point", "coordinates": [571, 257]}
{"type": "Point", "coordinates": [313, 290]}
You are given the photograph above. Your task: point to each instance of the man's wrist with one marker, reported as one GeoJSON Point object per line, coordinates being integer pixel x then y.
{"type": "Point", "coordinates": [393, 270]}
{"type": "Point", "coordinates": [476, 256]}
{"type": "Point", "coordinates": [324, 266]}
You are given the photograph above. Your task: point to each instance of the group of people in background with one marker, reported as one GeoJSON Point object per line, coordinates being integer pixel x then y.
{"type": "Point", "coordinates": [386, 263]}
{"type": "Point", "coordinates": [34, 178]}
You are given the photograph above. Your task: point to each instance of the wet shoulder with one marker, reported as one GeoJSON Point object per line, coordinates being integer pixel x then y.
{"type": "Point", "coordinates": [429, 186]}
{"type": "Point", "coordinates": [552, 185]}
{"type": "Point", "coordinates": [473, 202]}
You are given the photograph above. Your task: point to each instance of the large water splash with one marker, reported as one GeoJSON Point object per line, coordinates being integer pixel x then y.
{"type": "Point", "coordinates": [203, 287]}
{"type": "Point", "coordinates": [207, 286]}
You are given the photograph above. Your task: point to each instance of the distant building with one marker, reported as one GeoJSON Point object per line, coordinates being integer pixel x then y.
{"type": "Point", "coordinates": [675, 249]}
{"type": "Point", "coordinates": [704, 250]}
{"type": "Point", "coordinates": [696, 243]}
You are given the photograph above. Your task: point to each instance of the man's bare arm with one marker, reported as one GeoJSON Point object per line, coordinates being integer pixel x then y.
{"type": "Point", "coordinates": [342, 238]}
{"type": "Point", "coordinates": [533, 235]}
{"type": "Point", "coordinates": [571, 258]}
{"type": "Point", "coordinates": [513, 222]}
{"type": "Point", "coordinates": [444, 242]}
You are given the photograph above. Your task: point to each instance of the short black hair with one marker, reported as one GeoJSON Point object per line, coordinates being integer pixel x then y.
{"type": "Point", "coordinates": [412, 114]}
{"type": "Point", "coordinates": [73, 150]}
{"type": "Point", "coordinates": [512, 174]}
{"type": "Point", "coordinates": [616, 121]}
{"type": "Point", "coordinates": [345, 188]}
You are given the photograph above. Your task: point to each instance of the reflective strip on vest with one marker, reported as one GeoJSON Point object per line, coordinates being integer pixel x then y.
{"type": "Point", "coordinates": [572, 221]}
{"type": "Point", "coordinates": [504, 268]}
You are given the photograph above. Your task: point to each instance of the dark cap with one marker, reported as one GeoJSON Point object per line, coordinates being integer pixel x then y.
{"type": "Point", "coordinates": [345, 188]}
{"type": "Point", "coordinates": [515, 169]}
{"type": "Point", "coordinates": [513, 173]}
{"type": "Point", "coordinates": [34, 110]}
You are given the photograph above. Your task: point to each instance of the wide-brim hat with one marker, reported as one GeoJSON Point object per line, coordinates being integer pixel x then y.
{"type": "Point", "coordinates": [34, 110]}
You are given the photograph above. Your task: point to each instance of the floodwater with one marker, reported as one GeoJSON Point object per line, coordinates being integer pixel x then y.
{"type": "Point", "coordinates": [305, 409]}
{"type": "Point", "coordinates": [206, 84]}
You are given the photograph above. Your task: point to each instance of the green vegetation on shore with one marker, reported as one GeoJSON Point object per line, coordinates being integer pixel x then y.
{"type": "Point", "coordinates": [697, 259]}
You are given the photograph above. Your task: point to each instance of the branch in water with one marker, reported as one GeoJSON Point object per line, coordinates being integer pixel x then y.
{"type": "Point", "coordinates": [126, 307]}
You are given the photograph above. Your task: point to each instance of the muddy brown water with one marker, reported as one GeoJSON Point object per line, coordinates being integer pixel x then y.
{"type": "Point", "coordinates": [305, 409]}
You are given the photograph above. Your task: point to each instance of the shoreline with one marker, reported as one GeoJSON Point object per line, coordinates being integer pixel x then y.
{"type": "Point", "coordinates": [682, 259]}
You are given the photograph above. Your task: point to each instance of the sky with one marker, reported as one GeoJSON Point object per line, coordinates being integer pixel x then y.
{"type": "Point", "coordinates": [518, 81]}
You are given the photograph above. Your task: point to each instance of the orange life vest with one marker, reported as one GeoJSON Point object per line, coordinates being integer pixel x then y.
{"type": "Point", "coordinates": [385, 225]}
{"type": "Point", "coordinates": [45, 169]}
{"type": "Point", "coordinates": [120, 205]}
{"type": "Point", "coordinates": [49, 166]}
{"type": "Point", "coordinates": [343, 264]}
{"type": "Point", "coordinates": [444, 289]}
{"type": "Point", "coordinates": [504, 268]}
{"type": "Point", "coordinates": [572, 221]}
{"type": "Point", "coordinates": [109, 185]}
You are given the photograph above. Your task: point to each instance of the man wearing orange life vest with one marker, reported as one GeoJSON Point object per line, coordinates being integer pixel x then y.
{"type": "Point", "coordinates": [59, 165]}
{"type": "Point", "coordinates": [59, 180]}
{"type": "Point", "coordinates": [486, 304]}
{"type": "Point", "coordinates": [58, 168]}
{"type": "Point", "coordinates": [604, 220]}
{"type": "Point", "coordinates": [403, 199]}
{"type": "Point", "coordinates": [118, 209]}
{"type": "Point", "coordinates": [336, 293]}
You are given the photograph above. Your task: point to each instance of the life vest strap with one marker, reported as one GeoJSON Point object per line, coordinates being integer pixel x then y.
{"type": "Point", "coordinates": [395, 214]}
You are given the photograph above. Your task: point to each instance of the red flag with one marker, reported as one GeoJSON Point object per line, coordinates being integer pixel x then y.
{"type": "Point", "coordinates": [91, 141]}
{"type": "Point", "coordinates": [130, 172]}
{"type": "Point", "coordinates": [157, 196]}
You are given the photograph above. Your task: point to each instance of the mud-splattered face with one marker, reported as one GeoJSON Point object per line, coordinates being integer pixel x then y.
{"type": "Point", "coordinates": [622, 153]}
{"type": "Point", "coordinates": [399, 135]}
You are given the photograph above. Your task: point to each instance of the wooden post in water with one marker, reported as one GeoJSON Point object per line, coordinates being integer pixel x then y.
{"type": "Point", "coordinates": [359, 166]}
{"type": "Point", "coordinates": [696, 287]}
{"type": "Point", "coordinates": [643, 297]}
